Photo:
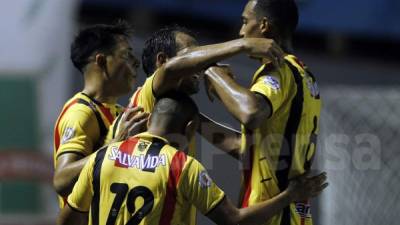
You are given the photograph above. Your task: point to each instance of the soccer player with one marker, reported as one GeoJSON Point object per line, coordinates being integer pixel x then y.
{"type": "Point", "coordinates": [173, 60]}
{"type": "Point", "coordinates": [145, 180]}
{"type": "Point", "coordinates": [103, 54]}
{"type": "Point", "coordinates": [279, 113]}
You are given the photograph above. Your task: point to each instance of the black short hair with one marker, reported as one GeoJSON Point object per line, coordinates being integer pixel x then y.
{"type": "Point", "coordinates": [282, 14]}
{"type": "Point", "coordinates": [176, 105]}
{"type": "Point", "coordinates": [96, 38]}
{"type": "Point", "coordinates": [163, 40]}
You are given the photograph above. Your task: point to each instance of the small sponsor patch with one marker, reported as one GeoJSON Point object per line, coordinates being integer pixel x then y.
{"type": "Point", "coordinates": [313, 87]}
{"type": "Point", "coordinates": [68, 134]}
{"type": "Point", "coordinates": [143, 146]}
{"type": "Point", "coordinates": [303, 209]}
{"type": "Point", "coordinates": [272, 82]}
{"type": "Point", "coordinates": [204, 179]}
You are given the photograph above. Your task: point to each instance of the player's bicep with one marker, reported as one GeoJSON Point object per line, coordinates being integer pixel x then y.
{"type": "Point", "coordinates": [198, 187]}
{"type": "Point", "coordinates": [82, 193]}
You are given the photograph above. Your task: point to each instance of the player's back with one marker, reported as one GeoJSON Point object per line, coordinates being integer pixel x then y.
{"type": "Point", "coordinates": [137, 180]}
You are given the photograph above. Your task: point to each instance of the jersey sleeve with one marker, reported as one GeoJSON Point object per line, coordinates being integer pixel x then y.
{"type": "Point", "coordinates": [145, 95]}
{"type": "Point", "coordinates": [273, 88]}
{"type": "Point", "coordinates": [82, 193]}
{"type": "Point", "coordinates": [198, 187]}
{"type": "Point", "coordinates": [79, 131]}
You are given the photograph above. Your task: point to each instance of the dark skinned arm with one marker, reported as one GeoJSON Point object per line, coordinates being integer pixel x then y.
{"type": "Point", "coordinates": [299, 189]}
{"type": "Point", "coordinates": [67, 171]}
{"type": "Point", "coordinates": [249, 108]}
{"type": "Point", "coordinates": [200, 58]}
{"type": "Point", "coordinates": [222, 137]}
{"type": "Point", "coordinates": [68, 216]}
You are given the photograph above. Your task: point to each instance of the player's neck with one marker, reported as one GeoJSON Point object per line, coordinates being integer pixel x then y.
{"type": "Point", "coordinates": [174, 138]}
{"type": "Point", "coordinates": [96, 88]}
{"type": "Point", "coordinates": [99, 95]}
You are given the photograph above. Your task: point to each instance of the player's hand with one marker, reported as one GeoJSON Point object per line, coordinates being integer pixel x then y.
{"type": "Point", "coordinates": [219, 69]}
{"type": "Point", "coordinates": [265, 48]}
{"type": "Point", "coordinates": [132, 122]}
{"type": "Point", "coordinates": [304, 187]}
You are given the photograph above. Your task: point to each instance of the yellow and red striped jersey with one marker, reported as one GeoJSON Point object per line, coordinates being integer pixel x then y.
{"type": "Point", "coordinates": [82, 126]}
{"type": "Point", "coordinates": [143, 180]}
{"type": "Point", "coordinates": [284, 145]}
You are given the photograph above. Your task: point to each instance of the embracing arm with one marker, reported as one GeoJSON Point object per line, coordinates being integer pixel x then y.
{"type": "Point", "coordinates": [222, 137]}
{"type": "Point", "coordinates": [67, 171]}
{"type": "Point", "coordinates": [200, 58]}
{"type": "Point", "coordinates": [299, 189]}
{"type": "Point", "coordinates": [246, 106]}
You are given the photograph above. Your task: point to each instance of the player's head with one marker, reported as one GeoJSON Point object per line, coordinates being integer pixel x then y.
{"type": "Point", "coordinates": [275, 19]}
{"type": "Point", "coordinates": [176, 115]}
{"type": "Point", "coordinates": [104, 51]}
{"type": "Point", "coordinates": [165, 44]}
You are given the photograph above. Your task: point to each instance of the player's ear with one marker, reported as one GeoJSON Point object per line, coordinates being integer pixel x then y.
{"type": "Point", "coordinates": [101, 61]}
{"type": "Point", "coordinates": [161, 58]}
{"type": "Point", "coordinates": [264, 26]}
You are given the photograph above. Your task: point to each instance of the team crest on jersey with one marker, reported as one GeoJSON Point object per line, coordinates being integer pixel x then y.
{"type": "Point", "coordinates": [142, 146]}
{"type": "Point", "coordinates": [204, 179]}
{"type": "Point", "coordinates": [303, 209]}
{"type": "Point", "coordinates": [140, 162]}
{"type": "Point", "coordinates": [272, 82]}
{"type": "Point", "coordinates": [68, 134]}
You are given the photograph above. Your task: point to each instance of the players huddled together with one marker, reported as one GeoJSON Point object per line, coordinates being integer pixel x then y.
{"type": "Point", "coordinates": [137, 165]}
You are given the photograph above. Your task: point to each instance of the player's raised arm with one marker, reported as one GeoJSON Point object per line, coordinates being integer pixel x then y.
{"type": "Point", "coordinates": [196, 59]}
{"type": "Point", "coordinates": [300, 189]}
{"type": "Point", "coordinates": [246, 106]}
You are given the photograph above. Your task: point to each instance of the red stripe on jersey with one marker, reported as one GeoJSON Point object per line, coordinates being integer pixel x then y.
{"type": "Point", "coordinates": [107, 113]}
{"type": "Point", "coordinates": [136, 97]}
{"type": "Point", "coordinates": [175, 170]}
{"type": "Point", "coordinates": [247, 180]}
{"type": "Point", "coordinates": [56, 132]}
{"type": "Point", "coordinates": [126, 149]}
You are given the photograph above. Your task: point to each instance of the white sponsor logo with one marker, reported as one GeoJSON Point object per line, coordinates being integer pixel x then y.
{"type": "Point", "coordinates": [139, 162]}
{"type": "Point", "coordinates": [68, 134]}
{"type": "Point", "coordinates": [204, 179]}
{"type": "Point", "coordinates": [272, 82]}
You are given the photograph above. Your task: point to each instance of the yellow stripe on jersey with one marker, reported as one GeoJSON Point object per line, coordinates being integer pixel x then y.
{"type": "Point", "coordinates": [82, 126]}
{"type": "Point", "coordinates": [284, 145]}
{"type": "Point", "coordinates": [146, 180]}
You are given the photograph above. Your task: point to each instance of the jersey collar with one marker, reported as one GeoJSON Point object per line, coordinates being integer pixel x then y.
{"type": "Point", "coordinates": [148, 136]}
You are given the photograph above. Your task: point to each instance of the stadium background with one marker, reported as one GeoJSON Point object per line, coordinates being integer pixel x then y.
{"type": "Point", "coordinates": [351, 46]}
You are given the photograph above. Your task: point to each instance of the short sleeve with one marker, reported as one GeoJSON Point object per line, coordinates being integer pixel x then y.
{"type": "Point", "coordinates": [82, 193]}
{"type": "Point", "coordinates": [79, 132]}
{"type": "Point", "coordinates": [145, 95]}
{"type": "Point", "coordinates": [272, 88]}
{"type": "Point", "coordinates": [198, 187]}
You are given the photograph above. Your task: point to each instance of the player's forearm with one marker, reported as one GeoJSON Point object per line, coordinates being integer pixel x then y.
{"type": "Point", "coordinates": [222, 137]}
{"type": "Point", "coordinates": [66, 176]}
{"type": "Point", "coordinates": [199, 58]}
{"type": "Point", "coordinates": [264, 211]}
{"type": "Point", "coordinates": [240, 102]}
{"type": "Point", "coordinates": [68, 216]}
